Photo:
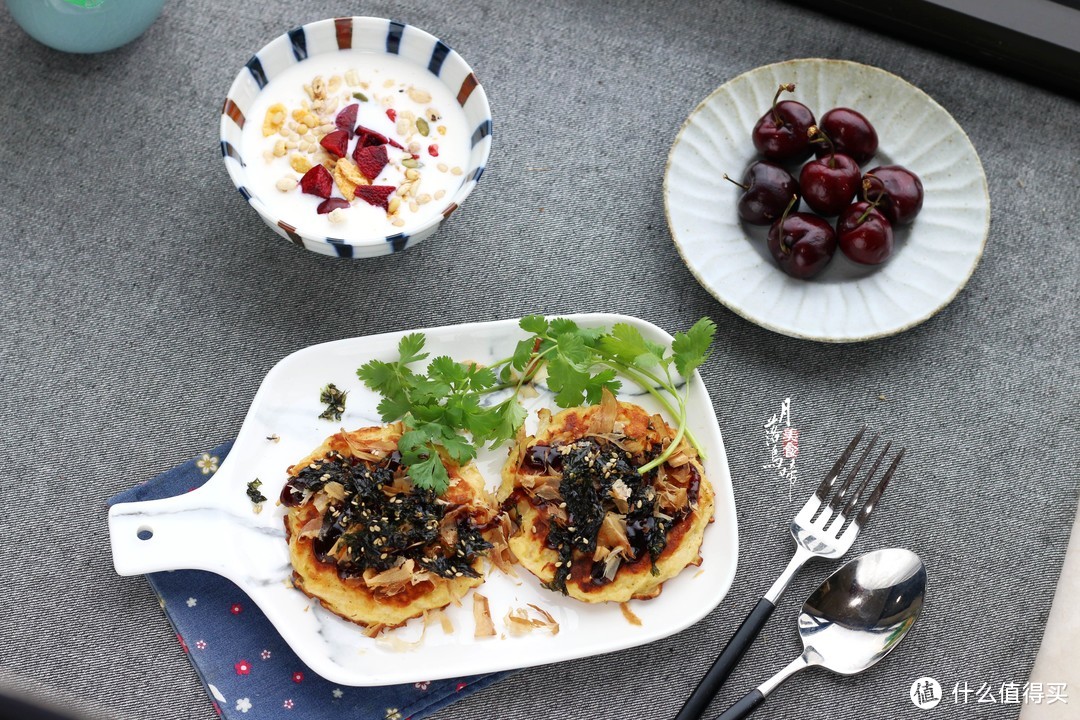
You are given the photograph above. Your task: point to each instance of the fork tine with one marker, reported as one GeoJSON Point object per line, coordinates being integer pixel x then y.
{"type": "Point", "coordinates": [838, 496]}
{"type": "Point", "coordinates": [823, 489]}
{"type": "Point", "coordinates": [864, 515]}
{"type": "Point", "coordinates": [850, 507]}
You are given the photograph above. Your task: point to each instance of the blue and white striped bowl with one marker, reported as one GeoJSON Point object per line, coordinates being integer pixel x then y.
{"type": "Point", "coordinates": [366, 34]}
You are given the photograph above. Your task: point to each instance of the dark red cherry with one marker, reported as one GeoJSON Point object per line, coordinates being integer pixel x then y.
{"type": "Point", "coordinates": [865, 234]}
{"type": "Point", "coordinates": [802, 244]}
{"type": "Point", "coordinates": [900, 192]}
{"type": "Point", "coordinates": [851, 134]}
{"type": "Point", "coordinates": [829, 183]}
{"type": "Point", "coordinates": [767, 188]}
{"type": "Point", "coordinates": [780, 134]}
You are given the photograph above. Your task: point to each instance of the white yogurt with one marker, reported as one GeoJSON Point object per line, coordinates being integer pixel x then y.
{"type": "Point", "coordinates": [388, 83]}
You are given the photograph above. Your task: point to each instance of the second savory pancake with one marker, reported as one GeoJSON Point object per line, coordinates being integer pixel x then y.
{"type": "Point", "coordinates": [588, 523]}
{"type": "Point", "coordinates": [369, 545]}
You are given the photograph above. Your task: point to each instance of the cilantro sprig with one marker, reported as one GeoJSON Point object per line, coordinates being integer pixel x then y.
{"type": "Point", "coordinates": [581, 362]}
{"type": "Point", "coordinates": [437, 407]}
{"type": "Point", "coordinates": [442, 405]}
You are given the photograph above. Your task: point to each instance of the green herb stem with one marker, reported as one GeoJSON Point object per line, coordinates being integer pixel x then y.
{"type": "Point", "coordinates": [669, 386]}
{"type": "Point", "coordinates": [650, 388]}
{"type": "Point", "coordinates": [679, 433]}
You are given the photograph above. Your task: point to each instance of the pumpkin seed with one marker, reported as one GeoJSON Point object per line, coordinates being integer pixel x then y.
{"type": "Point", "coordinates": [422, 126]}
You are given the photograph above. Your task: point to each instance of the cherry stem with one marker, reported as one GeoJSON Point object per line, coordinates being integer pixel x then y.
{"type": "Point", "coordinates": [816, 134]}
{"type": "Point", "coordinates": [871, 204]}
{"type": "Point", "coordinates": [790, 87]}
{"type": "Point", "coordinates": [868, 184]}
{"type": "Point", "coordinates": [734, 182]}
{"type": "Point", "coordinates": [783, 218]}
{"type": "Point", "coordinates": [866, 213]}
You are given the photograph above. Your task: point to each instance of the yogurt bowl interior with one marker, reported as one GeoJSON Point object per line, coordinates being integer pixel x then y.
{"type": "Point", "coordinates": [356, 136]}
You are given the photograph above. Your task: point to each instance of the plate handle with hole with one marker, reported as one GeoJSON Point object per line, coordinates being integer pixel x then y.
{"type": "Point", "coordinates": [177, 533]}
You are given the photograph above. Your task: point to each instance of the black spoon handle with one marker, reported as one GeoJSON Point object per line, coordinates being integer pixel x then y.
{"type": "Point", "coordinates": [699, 700]}
{"type": "Point", "coordinates": [744, 706]}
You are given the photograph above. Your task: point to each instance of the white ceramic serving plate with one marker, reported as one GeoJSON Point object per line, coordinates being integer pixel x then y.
{"type": "Point", "coordinates": [344, 36]}
{"type": "Point", "coordinates": [934, 256]}
{"type": "Point", "coordinates": [214, 528]}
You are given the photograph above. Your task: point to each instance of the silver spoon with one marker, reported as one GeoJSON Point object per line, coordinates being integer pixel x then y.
{"type": "Point", "coordinates": [857, 616]}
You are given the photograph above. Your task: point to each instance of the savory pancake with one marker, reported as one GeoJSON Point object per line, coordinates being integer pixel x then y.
{"type": "Point", "coordinates": [588, 523]}
{"type": "Point", "coordinates": [369, 545]}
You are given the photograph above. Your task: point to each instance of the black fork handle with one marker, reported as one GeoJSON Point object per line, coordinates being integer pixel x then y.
{"type": "Point", "coordinates": [742, 639]}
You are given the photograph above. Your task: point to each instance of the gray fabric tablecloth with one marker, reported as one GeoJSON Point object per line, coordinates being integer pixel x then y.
{"type": "Point", "coordinates": [143, 302]}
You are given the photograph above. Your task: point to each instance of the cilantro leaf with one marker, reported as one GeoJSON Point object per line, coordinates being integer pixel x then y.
{"type": "Point", "coordinates": [459, 449]}
{"type": "Point", "coordinates": [392, 408]}
{"type": "Point", "coordinates": [466, 413]}
{"type": "Point", "coordinates": [422, 459]}
{"type": "Point", "coordinates": [566, 381]}
{"type": "Point", "coordinates": [523, 353]}
{"type": "Point", "coordinates": [409, 348]}
{"type": "Point", "coordinates": [691, 348]}
{"type": "Point", "coordinates": [447, 370]}
{"type": "Point", "coordinates": [480, 378]}
{"type": "Point", "coordinates": [426, 415]}
{"type": "Point", "coordinates": [573, 386]}
{"type": "Point", "coordinates": [427, 471]}
{"type": "Point", "coordinates": [413, 445]}
{"type": "Point", "coordinates": [379, 376]}
{"type": "Point", "coordinates": [509, 416]}
{"type": "Point", "coordinates": [564, 326]}
{"type": "Point", "coordinates": [628, 345]}
{"type": "Point", "coordinates": [594, 387]}
{"type": "Point", "coordinates": [572, 349]}
{"type": "Point", "coordinates": [534, 324]}
{"type": "Point", "coordinates": [591, 335]}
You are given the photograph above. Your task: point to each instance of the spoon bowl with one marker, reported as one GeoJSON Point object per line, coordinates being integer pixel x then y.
{"type": "Point", "coordinates": [857, 617]}
{"type": "Point", "coordinates": [862, 611]}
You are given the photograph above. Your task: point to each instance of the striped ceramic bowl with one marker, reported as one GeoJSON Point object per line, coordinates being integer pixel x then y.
{"type": "Point", "coordinates": [369, 35]}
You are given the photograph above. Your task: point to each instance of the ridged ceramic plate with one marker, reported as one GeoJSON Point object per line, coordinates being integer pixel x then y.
{"type": "Point", "coordinates": [933, 259]}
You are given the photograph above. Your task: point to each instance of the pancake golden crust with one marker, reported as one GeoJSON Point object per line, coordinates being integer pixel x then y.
{"type": "Point", "coordinates": [581, 467]}
{"type": "Point", "coordinates": [336, 498]}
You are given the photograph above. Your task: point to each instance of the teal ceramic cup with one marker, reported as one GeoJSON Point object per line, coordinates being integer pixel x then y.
{"type": "Point", "coordinates": [85, 26]}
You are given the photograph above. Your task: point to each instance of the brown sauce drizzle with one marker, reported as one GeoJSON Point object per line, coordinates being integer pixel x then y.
{"type": "Point", "coordinates": [585, 573]}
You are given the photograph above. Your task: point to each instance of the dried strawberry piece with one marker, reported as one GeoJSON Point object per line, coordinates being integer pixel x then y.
{"type": "Point", "coordinates": [371, 137]}
{"type": "Point", "coordinates": [317, 181]}
{"type": "Point", "coordinates": [392, 114]}
{"type": "Point", "coordinates": [371, 160]}
{"type": "Point", "coordinates": [433, 150]}
{"type": "Point", "coordinates": [336, 142]}
{"type": "Point", "coordinates": [346, 119]}
{"type": "Point", "coordinates": [331, 204]}
{"type": "Point", "coordinates": [377, 195]}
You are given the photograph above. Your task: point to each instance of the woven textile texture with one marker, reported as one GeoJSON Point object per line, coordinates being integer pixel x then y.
{"type": "Point", "coordinates": [143, 302]}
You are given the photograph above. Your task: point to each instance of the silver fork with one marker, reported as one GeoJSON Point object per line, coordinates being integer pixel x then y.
{"type": "Point", "coordinates": [819, 531]}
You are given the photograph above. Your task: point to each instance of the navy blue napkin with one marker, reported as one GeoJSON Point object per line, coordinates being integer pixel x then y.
{"type": "Point", "coordinates": [248, 670]}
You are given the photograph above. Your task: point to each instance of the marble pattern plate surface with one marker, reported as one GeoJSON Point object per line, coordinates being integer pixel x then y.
{"type": "Point", "coordinates": [214, 527]}
{"type": "Point", "coordinates": [934, 256]}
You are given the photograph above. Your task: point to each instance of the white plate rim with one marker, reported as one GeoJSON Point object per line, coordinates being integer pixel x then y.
{"type": "Point", "coordinates": [764, 322]}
